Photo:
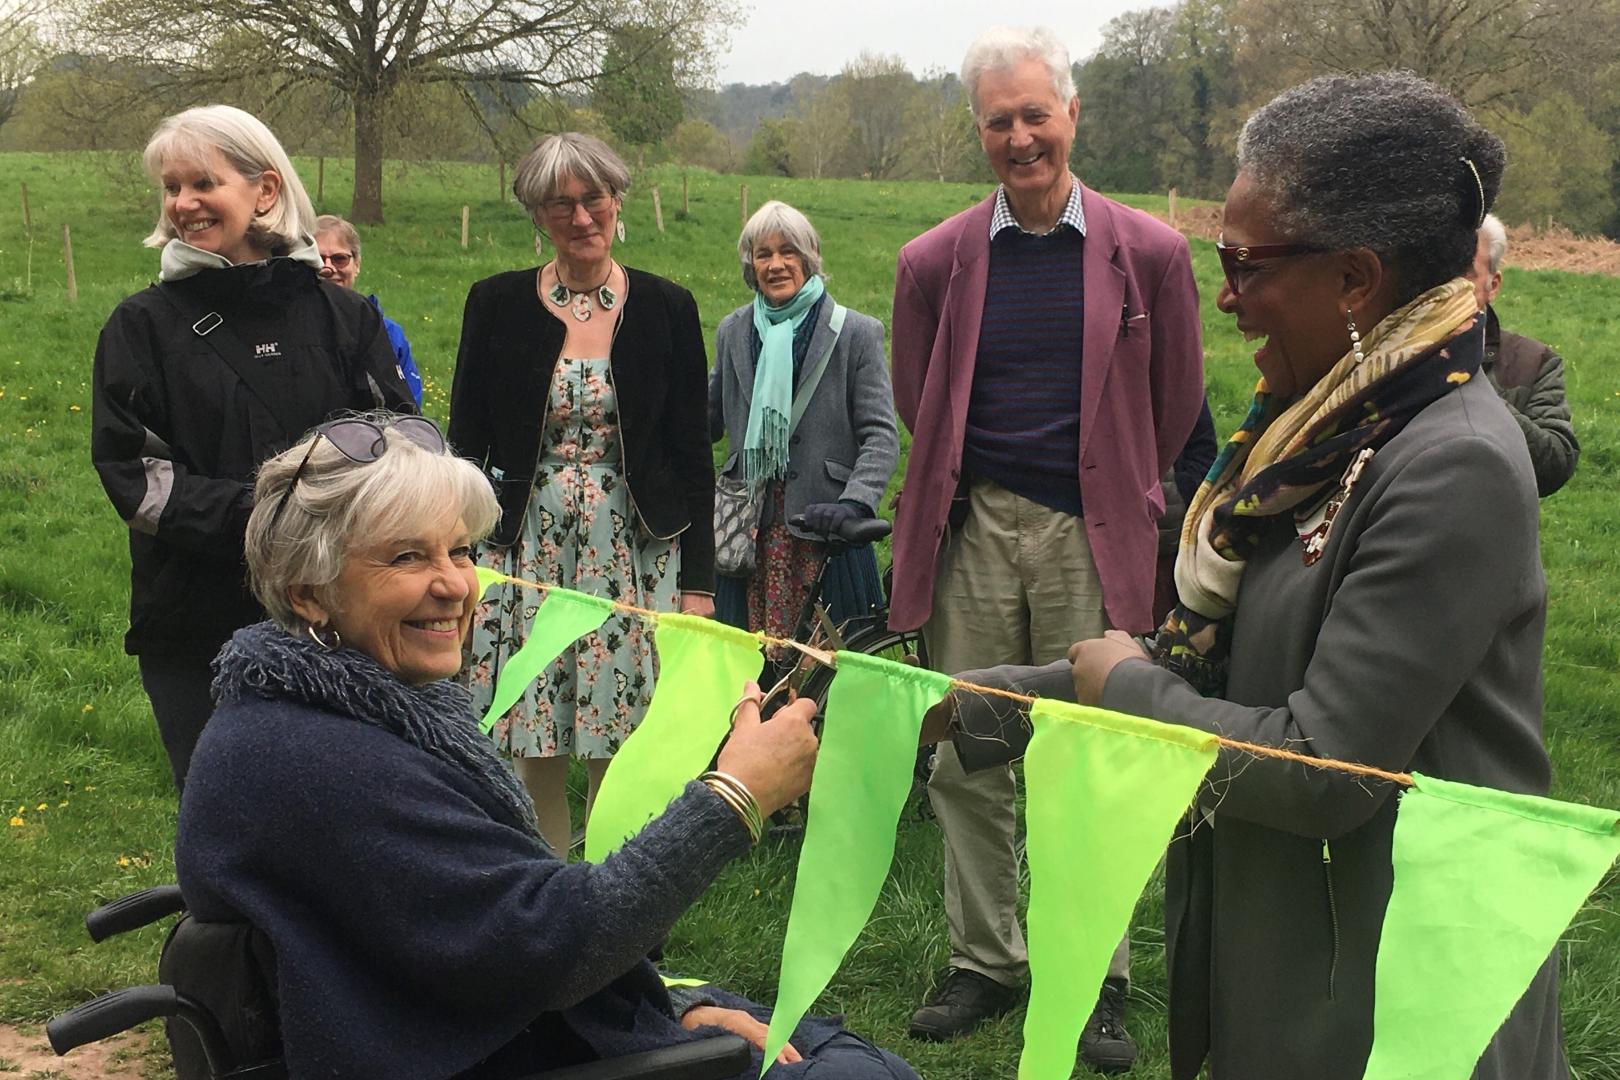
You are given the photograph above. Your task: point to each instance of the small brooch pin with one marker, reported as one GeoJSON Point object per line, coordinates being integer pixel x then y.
{"type": "Point", "coordinates": [1316, 540]}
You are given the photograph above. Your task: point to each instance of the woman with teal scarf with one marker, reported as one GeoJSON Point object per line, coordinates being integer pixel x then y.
{"type": "Point", "coordinates": [794, 344]}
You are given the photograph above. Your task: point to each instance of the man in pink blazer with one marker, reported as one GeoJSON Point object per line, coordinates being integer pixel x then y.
{"type": "Point", "coordinates": [1047, 360]}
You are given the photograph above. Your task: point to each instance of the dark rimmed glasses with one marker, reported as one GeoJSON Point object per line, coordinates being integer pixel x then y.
{"type": "Point", "coordinates": [1236, 259]}
{"type": "Point", "coordinates": [362, 442]}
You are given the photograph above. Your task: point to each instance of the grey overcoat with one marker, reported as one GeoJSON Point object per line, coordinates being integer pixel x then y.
{"type": "Point", "coordinates": [845, 446]}
{"type": "Point", "coordinates": [1413, 644]}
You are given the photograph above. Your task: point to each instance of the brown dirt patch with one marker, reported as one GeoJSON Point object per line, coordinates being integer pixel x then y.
{"type": "Point", "coordinates": [1529, 248]}
{"type": "Point", "coordinates": [25, 1054]}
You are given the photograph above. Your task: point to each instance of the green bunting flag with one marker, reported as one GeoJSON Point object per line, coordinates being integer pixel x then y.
{"type": "Point", "coordinates": [1485, 882]}
{"type": "Point", "coordinates": [1103, 792]}
{"type": "Point", "coordinates": [563, 618]}
{"type": "Point", "coordinates": [486, 578]}
{"type": "Point", "coordinates": [863, 772]}
{"type": "Point", "coordinates": [702, 665]}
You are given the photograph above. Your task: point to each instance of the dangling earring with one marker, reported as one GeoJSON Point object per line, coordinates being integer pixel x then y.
{"type": "Point", "coordinates": [539, 242]}
{"type": "Point", "coordinates": [315, 636]}
{"type": "Point", "coordinates": [619, 230]}
{"type": "Point", "coordinates": [1355, 337]}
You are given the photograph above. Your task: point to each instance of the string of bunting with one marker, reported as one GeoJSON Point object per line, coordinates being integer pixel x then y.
{"type": "Point", "coordinates": [828, 660]}
{"type": "Point", "coordinates": [1104, 793]}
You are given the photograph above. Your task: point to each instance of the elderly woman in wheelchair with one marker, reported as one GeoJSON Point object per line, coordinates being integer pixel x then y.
{"type": "Point", "coordinates": [343, 803]}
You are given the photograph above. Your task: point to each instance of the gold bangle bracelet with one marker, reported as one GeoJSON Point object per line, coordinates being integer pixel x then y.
{"type": "Point", "coordinates": [736, 795]}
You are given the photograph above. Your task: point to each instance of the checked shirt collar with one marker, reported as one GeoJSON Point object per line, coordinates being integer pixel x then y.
{"type": "Point", "coordinates": [1072, 216]}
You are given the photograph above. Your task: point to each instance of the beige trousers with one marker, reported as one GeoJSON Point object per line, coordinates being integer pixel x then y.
{"type": "Point", "coordinates": [1016, 585]}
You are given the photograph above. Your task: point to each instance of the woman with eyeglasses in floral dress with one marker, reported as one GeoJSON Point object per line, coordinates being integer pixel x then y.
{"type": "Point", "coordinates": [581, 388]}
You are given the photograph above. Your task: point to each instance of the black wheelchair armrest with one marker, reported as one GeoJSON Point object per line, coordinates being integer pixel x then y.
{"type": "Point", "coordinates": [714, 1058]}
{"type": "Point", "coordinates": [123, 1009]}
{"type": "Point", "coordinates": [133, 911]}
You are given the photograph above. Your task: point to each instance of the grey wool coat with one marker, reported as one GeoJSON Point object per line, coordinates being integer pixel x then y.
{"type": "Point", "coordinates": [1413, 644]}
{"type": "Point", "coordinates": [846, 445]}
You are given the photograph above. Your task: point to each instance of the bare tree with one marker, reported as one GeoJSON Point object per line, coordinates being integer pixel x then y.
{"type": "Point", "coordinates": [821, 134]}
{"type": "Point", "coordinates": [941, 130]}
{"type": "Point", "coordinates": [877, 91]}
{"type": "Point", "coordinates": [495, 53]}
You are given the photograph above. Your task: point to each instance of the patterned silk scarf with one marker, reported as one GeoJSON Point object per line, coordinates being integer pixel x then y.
{"type": "Point", "coordinates": [1287, 454]}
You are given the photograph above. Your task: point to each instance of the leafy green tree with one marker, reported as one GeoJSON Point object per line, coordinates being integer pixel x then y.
{"type": "Point", "coordinates": [770, 151]}
{"type": "Point", "coordinates": [1558, 167]}
{"type": "Point", "coordinates": [637, 93]}
{"type": "Point", "coordinates": [820, 135]}
{"type": "Point", "coordinates": [700, 143]}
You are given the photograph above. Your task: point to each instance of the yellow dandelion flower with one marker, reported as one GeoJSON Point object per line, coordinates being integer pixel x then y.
{"type": "Point", "coordinates": [90, 787]}
{"type": "Point", "coordinates": [123, 860]}
{"type": "Point", "coordinates": [43, 806]}
{"type": "Point", "coordinates": [16, 821]}
{"type": "Point", "coordinates": [74, 408]}
{"type": "Point", "coordinates": [61, 804]}
{"type": "Point", "coordinates": [88, 707]}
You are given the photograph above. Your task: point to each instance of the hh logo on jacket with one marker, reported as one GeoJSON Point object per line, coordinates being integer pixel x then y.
{"type": "Point", "coordinates": [267, 350]}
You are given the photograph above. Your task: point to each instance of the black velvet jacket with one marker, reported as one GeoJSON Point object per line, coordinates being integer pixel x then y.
{"type": "Point", "coordinates": [509, 350]}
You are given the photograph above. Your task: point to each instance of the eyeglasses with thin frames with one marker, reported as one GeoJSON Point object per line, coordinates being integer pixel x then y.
{"type": "Point", "coordinates": [362, 442]}
{"type": "Point", "coordinates": [562, 208]}
{"type": "Point", "coordinates": [338, 259]}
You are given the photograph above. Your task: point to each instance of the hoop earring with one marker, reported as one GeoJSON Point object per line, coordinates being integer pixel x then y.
{"type": "Point", "coordinates": [315, 636]}
{"type": "Point", "coordinates": [618, 230]}
{"type": "Point", "coordinates": [1355, 337]}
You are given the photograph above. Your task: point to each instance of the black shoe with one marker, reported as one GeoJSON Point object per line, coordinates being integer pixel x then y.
{"type": "Point", "coordinates": [963, 1001]}
{"type": "Point", "coordinates": [1105, 1045]}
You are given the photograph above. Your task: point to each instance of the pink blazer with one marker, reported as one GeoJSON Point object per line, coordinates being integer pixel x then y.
{"type": "Point", "coordinates": [1142, 384]}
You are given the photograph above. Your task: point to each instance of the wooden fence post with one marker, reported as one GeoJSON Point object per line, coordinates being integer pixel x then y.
{"type": "Point", "coordinates": [503, 180]}
{"type": "Point", "coordinates": [28, 221]}
{"type": "Point", "coordinates": [686, 201]}
{"type": "Point", "coordinates": [67, 257]}
{"type": "Point", "coordinates": [466, 214]}
{"type": "Point", "coordinates": [745, 204]}
{"type": "Point", "coordinates": [1173, 207]}
{"type": "Point", "coordinates": [320, 180]}
{"type": "Point", "coordinates": [658, 208]}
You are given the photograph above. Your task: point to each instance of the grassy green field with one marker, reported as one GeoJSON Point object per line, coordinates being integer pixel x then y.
{"type": "Point", "coordinates": [83, 772]}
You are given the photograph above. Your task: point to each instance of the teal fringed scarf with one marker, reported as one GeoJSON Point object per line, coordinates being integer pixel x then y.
{"type": "Point", "coordinates": [765, 447]}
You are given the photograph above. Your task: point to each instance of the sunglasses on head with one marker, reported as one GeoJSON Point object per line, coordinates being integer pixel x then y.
{"type": "Point", "coordinates": [1236, 260]}
{"type": "Point", "coordinates": [362, 442]}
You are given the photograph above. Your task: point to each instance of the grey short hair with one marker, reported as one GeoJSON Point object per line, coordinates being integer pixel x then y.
{"type": "Point", "coordinates": [1496, 244]}
{"type": "Point", "coordinates": [251, 150]}
{"type": "Point", "coordinates": [339, 503]}
{"type": "Point", "coordinates": [779, 219]}
{"type": "Point", "coordinates": [343, 227]}
{"type": "Point", "coordinates": [1389, 162]}
{"type": "Point", "coordinates": [1002, 48]}
{"type": "Point", "coordinates": [586, 158]}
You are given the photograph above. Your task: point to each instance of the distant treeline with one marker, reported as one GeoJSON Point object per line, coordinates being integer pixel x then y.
{"type": "Point", "coordinates": [1162, 101]}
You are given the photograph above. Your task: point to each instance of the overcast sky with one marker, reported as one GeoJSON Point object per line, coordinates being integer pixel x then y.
{"type": "Point", "coordinates": [779, 40]}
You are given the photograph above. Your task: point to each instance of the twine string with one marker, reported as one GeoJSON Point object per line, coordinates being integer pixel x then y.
{"type": "Point", "coordinates": [827, 659]}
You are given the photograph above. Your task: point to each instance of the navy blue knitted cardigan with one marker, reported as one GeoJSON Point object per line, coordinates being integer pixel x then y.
{"type": "Point", "coordinates": [421, 928]}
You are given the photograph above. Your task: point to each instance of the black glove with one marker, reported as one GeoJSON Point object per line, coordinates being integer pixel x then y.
{"type": "Point", "coordinates": [825, 519]}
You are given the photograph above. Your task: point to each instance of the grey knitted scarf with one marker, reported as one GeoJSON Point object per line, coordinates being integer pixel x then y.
{"type": "Point", "coordinates": [268, 662]}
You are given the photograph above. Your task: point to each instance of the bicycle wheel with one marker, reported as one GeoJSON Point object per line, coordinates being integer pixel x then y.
{"type": "Point", "coordinates": [900, 646]}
